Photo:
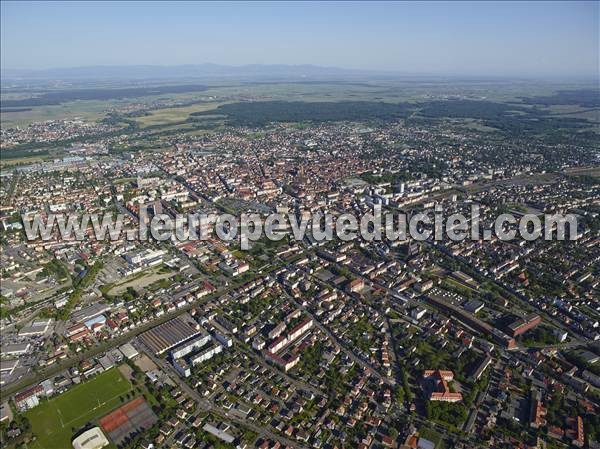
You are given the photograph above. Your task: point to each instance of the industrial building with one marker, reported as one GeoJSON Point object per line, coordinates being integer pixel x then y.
{"type": "Point", "coordinates": [146, 257]}
{"type": "Point", "coordinates": [15, 349]}
{"type": "Point", "coordinates": [38, 327]}
{"type": "Point", "coordinates": [473, 306]}
{"type": "Point", "coordinates": [471, 320]}
{"type": "Point", "coordinates": [166, 336]}
{"type": "Point", "coordinates": [128, 351]}
{"type": "Point", "coordinates": [89, 312]}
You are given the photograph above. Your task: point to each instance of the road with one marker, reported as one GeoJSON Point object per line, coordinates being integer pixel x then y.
{"type": "Point", "coordinates": [208, 406]}
{"type": "Point", "coordinates": [363, 363]}
{"type": "Point", "coordinates": [261, 361]}
{"type": "Point", "coordinates": [54, 370]}
{"type": "Point", "coordinates": [524, 302]}
{"type": "Point", "coordinates": [356, 359]}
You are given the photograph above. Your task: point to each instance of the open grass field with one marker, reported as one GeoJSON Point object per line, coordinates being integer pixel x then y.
{"type": "Point", "coordinates": [87, 110]}
{"type": "Point", "coordinates": [20, 161]}
{"type": "Point", "coordinates": [55, 421]}
{"type": "Point", "coordinates": [584, 171]}
{"type": "Point", "coordinates": [175, 115]}
{"type": "Point", "coordinates": [140, 280]}
{"type": "Point", "coordinates": [433, 436]}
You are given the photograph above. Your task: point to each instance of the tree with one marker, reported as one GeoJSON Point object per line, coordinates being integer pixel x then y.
{"type": "Point", "coordinates": [400, 396]}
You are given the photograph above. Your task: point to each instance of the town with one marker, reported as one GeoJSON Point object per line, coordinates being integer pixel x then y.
{"type": "Point", "coordinates": [302, 343]}
{"type": "Point", "coordinates": [284, 341]}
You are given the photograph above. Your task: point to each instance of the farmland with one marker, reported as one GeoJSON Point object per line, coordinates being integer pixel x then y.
{"type": "Point", "coordinates": [175, 115]}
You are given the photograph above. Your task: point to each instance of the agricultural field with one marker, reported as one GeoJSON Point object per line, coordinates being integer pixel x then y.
{"type": "Point", "coordinates": [20, 161]}
{"type": "Point", "coordinates": [584, 171]}
{"type": "Point", "coordinates": [55, 421]}
{"type": "Point", "coordinates": [91, 110]}
{"type": "Point", "coordinates": [175, 115]}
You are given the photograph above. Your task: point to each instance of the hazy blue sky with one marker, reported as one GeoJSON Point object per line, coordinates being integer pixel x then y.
{"type": "Point", "coordinates": [477, 38]}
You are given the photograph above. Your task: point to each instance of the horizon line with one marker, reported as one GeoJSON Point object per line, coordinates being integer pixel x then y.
{"type": "Point", "coordinates": [357, 71]}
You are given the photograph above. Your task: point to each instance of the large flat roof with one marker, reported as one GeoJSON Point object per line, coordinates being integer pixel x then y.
{"type": "Point", "coordinates": [165, 336]}
{"type": "Point", "coordinates": [91, 439]}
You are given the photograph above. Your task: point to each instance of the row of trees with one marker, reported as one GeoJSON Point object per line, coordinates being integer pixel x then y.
{"type": "Point", "coordinates": [79, 286]}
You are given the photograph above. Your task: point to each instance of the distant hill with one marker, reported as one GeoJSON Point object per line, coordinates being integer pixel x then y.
{"type": "Point", "coordinates": [198, 71]}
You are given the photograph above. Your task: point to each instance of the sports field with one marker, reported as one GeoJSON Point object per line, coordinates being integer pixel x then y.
{"type": "Point", "coordinates": [55, 421]}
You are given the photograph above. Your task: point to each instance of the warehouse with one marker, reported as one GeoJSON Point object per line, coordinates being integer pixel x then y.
{"type": "Point", "coordinates": [128, 351]}
{"type": "Point", "coordinates": [15, 349]}
{"type": "Point", "coordinates": [170, 334]}
{"type": "Point", "coordinates": [89, 312]}
{"type": "Point", "coordinates": [8, 366]}
{"type": "Point", "coordinates": [38, 327]}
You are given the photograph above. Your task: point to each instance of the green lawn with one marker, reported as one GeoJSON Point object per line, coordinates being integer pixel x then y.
{"type": "Point", "coordinates": [55, 421]}
{"type": "Point", "coordinates": [433, 436]}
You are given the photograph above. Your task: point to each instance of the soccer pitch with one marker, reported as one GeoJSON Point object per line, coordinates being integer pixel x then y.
{"type": "Point", "coordinates": [55, 421]}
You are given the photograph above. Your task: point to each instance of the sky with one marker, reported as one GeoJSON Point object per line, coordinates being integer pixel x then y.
{"type": "Point", "coordinates": [556, 39]}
